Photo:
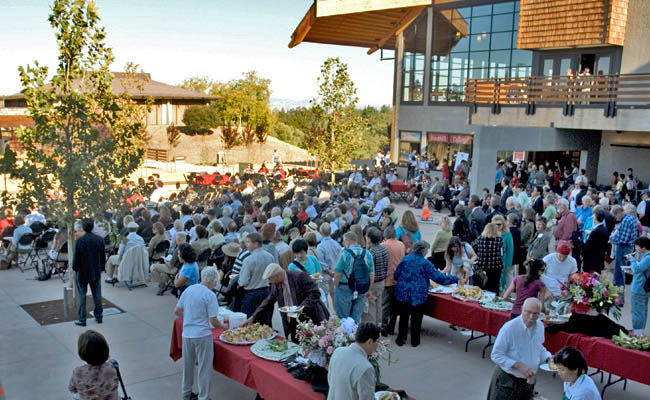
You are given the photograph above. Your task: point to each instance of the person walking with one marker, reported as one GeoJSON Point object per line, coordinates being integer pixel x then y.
{"type": "Point", "coordinates": [89, 261]}
{"type": "Point", "coordinates": [518, 351]}
{"type": "Point", "coordinates": [198, 307]}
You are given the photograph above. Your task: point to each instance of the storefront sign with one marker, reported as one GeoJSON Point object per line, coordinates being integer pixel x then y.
{"type": "Point", "coordinates": [410, 136]}
{"type": "Point", "coordinates": [518, 156]}
{"type": "Point", "coordinates": [438, 137]}
{"type": "Point", "coordinates": [460, 139]}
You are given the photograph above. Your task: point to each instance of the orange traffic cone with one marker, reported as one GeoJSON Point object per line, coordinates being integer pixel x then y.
{"type": "Point", "coordinates": [426, 215]}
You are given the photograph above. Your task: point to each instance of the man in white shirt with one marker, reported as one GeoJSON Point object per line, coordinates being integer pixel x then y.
{"type": "Point", "coordinates": [355, 177]}
{"type": "Point", "coordinates": [518, 351]}
{"type": "Point", "coordinates": [559, 266]}
{"type": "Point", "coordinates": [198, 307]}
{"type": "Point", "coordinates": [158, 193]}
{"type": "Point", "coordinates": [276, 218]}
{"type": "Point", "coordinates": [350, 374]}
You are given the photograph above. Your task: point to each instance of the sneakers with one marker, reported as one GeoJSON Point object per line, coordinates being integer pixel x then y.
{"type": "Point", "coordinates": [111, 281]}
{"type": "Point", "coordinates": [191, 396]}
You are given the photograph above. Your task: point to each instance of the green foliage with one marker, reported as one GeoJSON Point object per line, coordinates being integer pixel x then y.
{"type": "Point", "coordinates": [289, 134]}
{"type": "Point", "coordinates": [338, 130]}
{"type": "Point", "coordinates": [85, 137]}
{"type": "Point", "coordinates": [200, 120]}
{"type": "Point", "coordinates": [199, 84]}
{"type": "Point", "coordinates": [173, 136]}
{"type": "Point", "coordinates": [8, 161]}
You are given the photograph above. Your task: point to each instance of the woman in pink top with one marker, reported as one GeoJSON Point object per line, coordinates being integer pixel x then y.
{"type": "Point", "coordinates": [525, 286]}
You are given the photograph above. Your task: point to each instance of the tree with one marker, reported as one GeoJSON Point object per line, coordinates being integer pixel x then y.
{"type": "Point", "coordinates": [337, 131]}
{"type": "Point", "coordinates": [200, 119]}
{"type": "Point", "coordinates": [199, 84]}
{"type": "Point", "coordinates": [173, 137]}
{"type": "Point", "coordinates": [85, 136]}
{"type": "Point", "coordinates": [289, 134]}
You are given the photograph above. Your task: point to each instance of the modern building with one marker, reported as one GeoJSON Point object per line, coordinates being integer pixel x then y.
{"type": "Point", "coordinates": [534, 80]}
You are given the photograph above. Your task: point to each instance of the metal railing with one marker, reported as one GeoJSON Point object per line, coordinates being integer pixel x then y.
{"type": "Point", "coordinates": [606, 90]}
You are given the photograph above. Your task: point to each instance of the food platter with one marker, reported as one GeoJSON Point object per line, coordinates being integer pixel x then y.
{"type": "Point", "coordinates": [247, 335]}
{"type": "Point", "coordinates": [557, 319]}
{"type": "Point", "coordinates": [471, 293]}
{"type": "Point", "coordinates": [274, 349]}
{"type": "Point", "coordinates": [317, 276]}
{"type": "Point", "coordinates": [291, 311]}
{"type": "Point", "coordinates": [442, 289]}
{"type": "Point", "coordinates": [550, 367]}
{"type": "Point", "coordinates": [632, 342]}
{"type": "Point", "coordinates": [496, 304]}
{"type": "Point", "coordinates": [386, 395]}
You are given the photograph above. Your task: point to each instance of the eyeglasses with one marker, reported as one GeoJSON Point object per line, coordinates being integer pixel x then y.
{"type": "Point", "coordinates": [499, 224]}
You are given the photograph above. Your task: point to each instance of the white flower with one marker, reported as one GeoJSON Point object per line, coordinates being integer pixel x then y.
{"type": "Point", "coordinates": [349, 325]}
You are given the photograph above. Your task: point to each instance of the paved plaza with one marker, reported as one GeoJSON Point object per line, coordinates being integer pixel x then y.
{"type": "Point", "coordinates": [36, 361]}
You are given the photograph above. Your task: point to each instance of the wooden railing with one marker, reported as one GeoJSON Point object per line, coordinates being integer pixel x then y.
{"type": "Point", "coordinates": [600, 89]}
{"type": "Point", "coordinates": [158, 154]}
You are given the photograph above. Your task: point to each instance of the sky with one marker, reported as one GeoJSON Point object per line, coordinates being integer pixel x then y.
{"type": "Point", "coordinates": [176, 39]}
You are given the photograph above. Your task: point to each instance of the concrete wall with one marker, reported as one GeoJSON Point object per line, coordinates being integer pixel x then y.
{"type": "Point", "coordinates": [614, 158]}
{"type": "Point", "coordinates": [636, 56]}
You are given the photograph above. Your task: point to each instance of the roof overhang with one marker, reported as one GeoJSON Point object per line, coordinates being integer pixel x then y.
{"type": "Point", "coordinates": [373, 28]}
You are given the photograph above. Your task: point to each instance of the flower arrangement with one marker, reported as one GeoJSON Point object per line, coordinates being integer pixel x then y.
{"type": "Point", "coordinates": [591, 291]}
{"type": "Point", "coordinates": [318, 342]}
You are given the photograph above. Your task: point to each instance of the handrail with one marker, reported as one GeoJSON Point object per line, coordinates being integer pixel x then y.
{"type": "Point", "coordinates": [577, 90]}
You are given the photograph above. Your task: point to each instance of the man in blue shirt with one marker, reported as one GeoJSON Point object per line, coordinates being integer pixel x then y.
{"type": "Point", "coordinates": [348, 302]}
{"type": "Point", "coordinates": [189, 273]}
{"type": "Point", "coordinates": [623, 238]}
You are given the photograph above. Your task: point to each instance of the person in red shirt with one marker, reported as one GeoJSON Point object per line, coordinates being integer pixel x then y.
{"type": "Point", "coordinates": [263, 169]}
{"type": "Point", "coordinates": [446, 173]}
{"type": "Point", "coordinates": [8, 219]}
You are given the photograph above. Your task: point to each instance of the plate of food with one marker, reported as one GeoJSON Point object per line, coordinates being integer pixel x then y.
{"type": "Point", "coordinates": [386, 395]}
{"type": "Point", "coordinates": [632, 342]}
{"type": "Point", "coordinates": [557, 319]}
{"type": "Point", "coordinates": [247, 334]}
{"type": "Point", "coordinates": [291, 311]}
{"type": "Point", "coordinates": [468, 293]}
{"type": "Point", "coordinates": [443, 289]}
{"type": "Point", "coordinates": [496, 303]}
{"type": "Point", "coordinates": [276, 349]}
{"type": "Point", "coordinates": [317, 276]}
{"type": "Point", "coordinates": [550, 366]}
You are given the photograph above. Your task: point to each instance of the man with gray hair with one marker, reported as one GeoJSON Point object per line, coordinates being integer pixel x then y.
{"type": "Point", "coordinates": [226, 216]}
{"type": "Point", "coordinates": [328, 251]}
{"type": "Point", "coordinates": [161, 272]}
{"type": "Point", "coordinates": [276, 218]}
{"type": "Point", "coordinates": [623, 239]}
{"type": "Point", "coordinates": [198, 307]}
{"type": "Point", "coordinates": [247, 225]}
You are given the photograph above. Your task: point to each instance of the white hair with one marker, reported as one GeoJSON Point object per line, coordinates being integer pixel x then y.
{"type": "Point", "coordinates": [178, 225]}
{"type": "Point", "coordinates": [287, 213]}
{"type": "Point", "coordinates": [209, 274]}
{"type": "Point", "coordinates": [563, 202]}
{"type": "Point", "coordinates": [276, 211]}
{"type": "Point", "coordinates": [629, 209]}
{"type": "Point", "coordinates": [226, 211]}
{"type": "Point", "coordinates": [181, 235]}
{"type": "Point", "coordinates": [604, 202]}
{"type": "Point", "coordinates": [196, 219]}
{"type": "Point", "coordinates": [511, 201]}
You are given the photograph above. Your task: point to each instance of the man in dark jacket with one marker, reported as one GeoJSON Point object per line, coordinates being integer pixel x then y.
{"type": "Point", "coordinates": [476, 217]}
{"type": "Point", "coordinates": [89, 261]}
{"type": "Point", "coordinates": [291, 288]}
{"type": "Point", "coordinates": [596, 246]}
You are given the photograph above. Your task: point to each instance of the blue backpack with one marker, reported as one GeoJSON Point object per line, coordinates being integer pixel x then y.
{"type": "Point", "coordinates": [359, 279]}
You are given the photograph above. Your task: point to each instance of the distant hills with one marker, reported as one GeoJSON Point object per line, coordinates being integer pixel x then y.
{"type": "Point", "coordinates": [288, 104]}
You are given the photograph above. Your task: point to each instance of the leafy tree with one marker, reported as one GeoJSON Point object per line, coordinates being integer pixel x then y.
{"type": "Point", "coordinates": [173, 137]}
{"type": "Point", "coordinates": [200, 119]}
{"type": "Point", "coordinates": [289, 134]}
{"type": "Point", "coordinates": [85, 137]}
{"type": "Point", "coordinates": [199, 84]}
{"type": "Point", "coordinates": [337, 131]}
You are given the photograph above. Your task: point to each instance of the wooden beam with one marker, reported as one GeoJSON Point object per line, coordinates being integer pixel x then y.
{"type": "Point", "coordinates": [401, 25]}
{"type": "Point", "coordinates": [304, 27]}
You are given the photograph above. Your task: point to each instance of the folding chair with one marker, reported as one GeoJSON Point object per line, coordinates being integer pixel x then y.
{"type": "Point", "coordinates": [159, 252]}
{"type": "Point", "coordinates": [170, 283]}
{"type": "Point", "coordinates": [60, 263]}
{"type": "Point", "coordinates": [26, 245]}
{"type": "Point", "coordinates": [202, 259]}
{"type": "Point", "coordinates": [39, 248]}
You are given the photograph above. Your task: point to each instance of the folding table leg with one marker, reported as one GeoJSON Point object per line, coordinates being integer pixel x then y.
{"type": "Point", "coordinates": [610, 383]}
{"type": "Point", "coordinates": [598, 372]}
{"type": "Point", "coordinates": [471, 338]}
{"type": "Point", "coordinates": [487, 346]}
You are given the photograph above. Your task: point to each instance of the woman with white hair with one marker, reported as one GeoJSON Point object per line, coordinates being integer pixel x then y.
{"type": "Point", "coordinates": [411, 290]}
{"type": "Point", "coordinates": [198, 307]}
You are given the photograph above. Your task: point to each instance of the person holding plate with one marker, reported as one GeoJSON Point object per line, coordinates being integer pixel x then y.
{"type": "Point", "coordinates": [572, 368]}
{"type": "Point", "coordinates": [290, 288]}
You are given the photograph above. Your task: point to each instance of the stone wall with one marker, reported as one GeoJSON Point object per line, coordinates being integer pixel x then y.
{"type": "Point", "coordinates": [200, 149]}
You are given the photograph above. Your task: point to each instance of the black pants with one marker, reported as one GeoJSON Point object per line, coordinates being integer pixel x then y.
{"type": "Point", "coordinates": [389, 309]}
{"type": "Point", "coordinates": [438, 260]}
{"type": "Point", "coordinates": [493, 277]}
{"type": "Point", "coordinates": [96, 289]}
{"type": "Point", "coordinates": [252, 299]}
{"type": "Point", "coordinates": [415, 313]}
{"type": "Point", "coordinates": [508, 387]}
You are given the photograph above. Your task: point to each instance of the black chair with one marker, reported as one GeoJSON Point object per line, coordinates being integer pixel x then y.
{"type": "Point", "coordinates": [160, 250]}
{"type": "Point", "coordinates": [217, 256]}
{"type": "Point", "coordinates": [37, 227]}
{"type": "Point", "coordinates": [39, 248]}
{"type": "Point", "coordinates": [60, 263]}
{"type": "Point", "coordinates": [202, 259]}
{"type": "Point", "coordinates": [24, 248]}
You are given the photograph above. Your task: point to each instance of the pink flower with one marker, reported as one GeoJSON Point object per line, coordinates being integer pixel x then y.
{"type": "Point", "coordinates": [617, 301]}
{"type": "Point", "coordinates": [565, 292]}
{"type": "Point", "coordinates": [606, 294]}
{"type": "Point", "coordinates": [340, 330]}
{"type": "Point", "coordinates": [585, 300]}
{"type": "Point", "coordinates": [330, 350]}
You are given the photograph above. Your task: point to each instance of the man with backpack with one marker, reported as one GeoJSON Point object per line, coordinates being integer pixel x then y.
{"type": "Point", "coordinates": [354, 275]}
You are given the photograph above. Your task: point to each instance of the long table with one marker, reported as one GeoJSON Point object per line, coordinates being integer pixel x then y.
{"type": "Point", "coordinates": [270, 379]}
{"type": "Point", "coordinates": [600, 353]}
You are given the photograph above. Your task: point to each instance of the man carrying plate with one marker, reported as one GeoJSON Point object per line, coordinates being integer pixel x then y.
{"type": "Point", "coordinates": [290, 288]}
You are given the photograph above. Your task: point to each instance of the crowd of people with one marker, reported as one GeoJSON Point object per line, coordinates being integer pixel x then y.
{"type": "Point", "coordinates": [351, 255]}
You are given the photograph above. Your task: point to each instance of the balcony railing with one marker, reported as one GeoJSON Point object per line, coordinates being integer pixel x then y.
{"type": "Point", "coordinates": [605, 90]}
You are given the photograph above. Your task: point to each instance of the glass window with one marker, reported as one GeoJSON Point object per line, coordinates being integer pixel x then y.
{"type": "Point", "coordinates": [413, 65]}
{"type": "Point", "coordinates": [500, 58]}
{"type": "Point", "coordinates": [459, 60]}
{"type": "Point", "coordinates": [501, 40]}
{"type": "Point", "coordinates": [503, 7]}
{"type": "Point", "coordinates": [603, 66]}
{"type": "Point", "coordinates": [481, 10]}
{"type": "Point", "coordinates": [479, 59]}
{"type": "Point", "coordinates": [481, 24]}
{"type": "Point", "coordinates": [521, 57]}
{"type": "Point", "coordinates": [502, 22]}
{"type": "Point", "coordinates": [464, 12]}
{"type": "Point", "coordinates": [478, 73]}
{"type": "Point", "coordinates": [462, 45]}
{"type": "Point", "coordinates": [548, 67]}
{"type": "Point", "coordinates": [516, 19]}
{"type": "Point", "coordinates": [480, 42]}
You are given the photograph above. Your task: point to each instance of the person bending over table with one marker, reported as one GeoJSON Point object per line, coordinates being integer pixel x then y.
{"type": "Point", "coordinates": [290, 288]}
{"type": "Point", "coordinates": [518, 351]}
{"type": "Point", "coordinates": [572, 368]}
{"type": "Point", "coordinates": [412, 288]}
{"type": "Point", "coordinates": [199, 308]}
{"type": "Point", "coordinates": [350, 374]}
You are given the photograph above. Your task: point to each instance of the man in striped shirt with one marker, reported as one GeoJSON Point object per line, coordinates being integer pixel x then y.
{"type": "Point", "coordinates": [623, 238]}
{"type": "Point", "coordinates": [380, 259]}
{"type": "Point", "coordinates": [236, 268]}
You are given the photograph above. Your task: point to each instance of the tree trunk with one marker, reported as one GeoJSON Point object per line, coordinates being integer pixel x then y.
{"type": "Point", "coordinates": [72, 276]}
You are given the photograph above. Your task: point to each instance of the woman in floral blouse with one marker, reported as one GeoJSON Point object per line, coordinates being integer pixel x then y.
{"type": "Point", "coordinates": [97, 380]}
{"type": "Point", "coordinates": [412, 276]}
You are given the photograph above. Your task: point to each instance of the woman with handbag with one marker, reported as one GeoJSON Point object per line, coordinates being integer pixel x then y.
{"type": "Point", "coordinates": [640, 288]}
{"type": "Point", "coordinates": [489, 251]}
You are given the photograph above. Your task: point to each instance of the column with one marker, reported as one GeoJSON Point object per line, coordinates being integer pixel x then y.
{"type": "Point", "coordinates": [397, 94]}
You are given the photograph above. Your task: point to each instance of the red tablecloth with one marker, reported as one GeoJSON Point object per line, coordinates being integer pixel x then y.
{"type": "Point", "coordinates": [600, 353]}
{"type": "Point", "coordinates": [399, 187]}
{"type": "Point", "coordinates": [207, 179]}
{"type": "Point", "coordinates": [270, 379]}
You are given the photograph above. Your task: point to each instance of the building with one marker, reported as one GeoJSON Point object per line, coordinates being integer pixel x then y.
{"type": "Point", "coordinates": [168, 107]}
{"type": "Point", "coordinates": [535, 80]}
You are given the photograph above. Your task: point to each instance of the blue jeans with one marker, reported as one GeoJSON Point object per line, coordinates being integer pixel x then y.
{"type": "Point", "coordinates": [346, 306]}
{"type": "Point", "coordinates": [621, 251]}
{"type": "Point", "coordinates": [96, 289]}
{"type": "Point", "coordinates": [639, 310]}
